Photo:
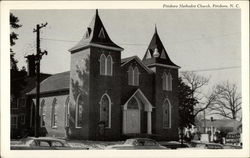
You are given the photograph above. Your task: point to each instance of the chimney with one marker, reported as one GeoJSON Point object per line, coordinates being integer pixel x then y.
{"type": "Point", "coordinates": [31, 66]}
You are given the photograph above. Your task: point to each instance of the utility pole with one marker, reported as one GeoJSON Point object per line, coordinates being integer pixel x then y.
{"type": "Point", "coordinates": [39, 55]}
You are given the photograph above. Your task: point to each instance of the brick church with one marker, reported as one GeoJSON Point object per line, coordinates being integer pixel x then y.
{"type": "Point", "coordinates": [104, 96]}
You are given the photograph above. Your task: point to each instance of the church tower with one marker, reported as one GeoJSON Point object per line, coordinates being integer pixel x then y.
{"type": "Point", "coordinates": [165, 89]}
{"type": "Point", "coordinates": [95, 85]}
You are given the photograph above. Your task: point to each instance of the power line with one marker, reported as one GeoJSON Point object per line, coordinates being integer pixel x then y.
{"type": "Point", "coordinates": [143, 44]}
{"type": "Point", "coordinates": [213, 69]}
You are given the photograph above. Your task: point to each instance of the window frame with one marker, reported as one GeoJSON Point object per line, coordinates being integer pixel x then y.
{"type": "Point", "coordinates": [111, 65]}
{"type": "Point", "coordinates": [42, 113]}
{"type": "Point", "coordinates": [109, 112]}
{"type": "Point", "coordinates": [15, 125]}
{"type": "Point", "coordinates": [54, 114]}
{"type": "Point", "coordinates": [102, 61]}
{"type": "Point", "coordinates": [67, 114]}
{"type": "Point", "coordinates": [77, 111]}
{"type": "Point", "coordinates": [169, 114]}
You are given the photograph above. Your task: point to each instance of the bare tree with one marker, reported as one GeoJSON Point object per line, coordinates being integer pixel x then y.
{"type": "Point", "coordinates": [197, 83]}
{"type": "Point", "coordinates": [228, 102]}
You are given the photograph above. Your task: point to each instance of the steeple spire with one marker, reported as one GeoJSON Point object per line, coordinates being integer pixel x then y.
{"type": "Point", "coordinates": [96, 34]}
{"type": "Point", "coordinates": [157, 52]}
{"type": "Point", "coordinates": [155, 29]}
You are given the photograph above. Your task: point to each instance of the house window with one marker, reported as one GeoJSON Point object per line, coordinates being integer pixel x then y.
{"type": "Point", "coordinates": [54, 114]}
{"type": "Point", "coordinates": [14, 103]}
{"type": "Point", "coordinates": [109, 65]}
{"type": "Point", "coordinates": [42, 114]}
{"type": "Point", "coordinates": [22, 119]}
{"type": "Point", "coordinates": [21, 102]}
{"type": "Point", "coordinates": [167, 81]}
{"type": "Point", "coordinates": [166, 109]}
{"type": "Point", "coordinates": [106, 65]}
{"type": "Point", "coordinates": [67, 112]}
{"type": "Point", "coordinates": [14, 121]}
{"type": "Point", "coordinates": [133, 76]}
{"type": "Point", "coordinates": [105, 110]}
{"type": "Point", "coordinates": [79, 111]}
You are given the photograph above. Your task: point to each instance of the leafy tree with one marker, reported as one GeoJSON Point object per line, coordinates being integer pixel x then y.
{"type": "Point", "coordinates": [17, 76]}
{"type": "Point", "coordinates": [14, 24]}
{"type": "Point", "coordinates": [186, 106]}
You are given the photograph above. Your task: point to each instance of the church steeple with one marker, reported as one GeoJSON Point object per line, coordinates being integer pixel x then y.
{"type": "Point", "coordinates": [95, 35]}
{"type": "Point", "coordinates": [156, 53]}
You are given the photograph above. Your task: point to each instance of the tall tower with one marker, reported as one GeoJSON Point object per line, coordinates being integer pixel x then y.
{"type": "Point", "coordinates": [95, 85]}
{"type": "Point", "coordinates": [165, 89]}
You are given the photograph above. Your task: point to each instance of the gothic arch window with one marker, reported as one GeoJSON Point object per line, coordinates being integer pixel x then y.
{"type": "Point", "coordinates": [42, 114]}
{"type": "Point", "coordinates": [101, 34]}
{"type": "Point", "coordinates": [105, 110]}
{"type": "Point", "coordinates": [130, 75]}
{"type": "Point", "coordinates": [133, 104]}
{"type": "Point", "coordinates": [133, 76]}
{"type": "Point", "coordinates": [67, 112]}
{"type": "Point", "coordinates": [164, 81]}
{"type": "Point", "coordinates": [166, 109]}
{"type": "Point", "coordinates": [79, 111]}
{"type": "Point", "coordinates": [170, 79]}
{"type": "Point", "coordinates": [109, 66]}
{"type": "Point", "coordinates": [167, 81]}
{"type": "Point", "coordinates": [102, 64]}
{"type": "Point", "coordinates": [54, 114]}
{"type": "Point", "coordinates": [136, 76]}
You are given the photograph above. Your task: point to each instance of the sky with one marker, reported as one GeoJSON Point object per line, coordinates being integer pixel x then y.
{"type": "Point", "coordinates": [205, 41]}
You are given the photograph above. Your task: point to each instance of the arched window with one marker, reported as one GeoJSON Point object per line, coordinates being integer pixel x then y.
{"type": "Point", "coordinates": [105, 110]}
{"type": "Point", "coordinates": [130, 75]}
{"type": "Point", "coordinates": [103, 64]}
{"type": "Point", "coordinates": [133, 104]}
{"type": "Point", "coordinates": [42, 114]}
{"type": "Point", "coordinates": [133, 76]}
{"type": "Point", "coordinates": [136, 77]}
{"type": "Point", "coordinates": [79, 111]}
{"type": "Point", "coordinates": [166, 109]}
{"type": "Point", "coordinates": [170, 82]}
{"type": "Point", "coordinates": [54, 114]}
{"type": "Point", "coordinates": [67, 112]}
{"type": "Point", "coordinates": [109, 66]}
{"type": "Point", "coordinates": [165, 81]}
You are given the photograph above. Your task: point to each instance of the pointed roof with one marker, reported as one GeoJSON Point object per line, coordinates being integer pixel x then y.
{"type": "Point", "coordinates": [157, 52]}
{"type": "Point", "coordinates": [96, 35]}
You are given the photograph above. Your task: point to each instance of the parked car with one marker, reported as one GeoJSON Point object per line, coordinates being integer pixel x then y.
{"type": "Point", "coordinates": [209, 146]}
{"type": "Point", "coordinates": [43, 143]}
{"type": "Point", "coordinates": [137, 144]}
{"type": "Point", "coordinates": [174, 145]}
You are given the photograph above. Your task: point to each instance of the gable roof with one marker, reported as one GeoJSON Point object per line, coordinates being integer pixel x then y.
{"type": "Point", "coordinates": [96, 34]}
{"type": "Point", "coordinates": [138, 60]}
{"type": "Point", "coordinates": [54, 83]}
{"type": "Point", "coordinates": [154, 44]}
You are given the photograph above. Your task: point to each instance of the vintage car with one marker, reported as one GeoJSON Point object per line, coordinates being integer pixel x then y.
{"type": "Point", "coordinates": [174, 145]}
{"type": "Point", "coordinates": [43, 143]}
{"type": "Point", "coordinates": [137, 144]}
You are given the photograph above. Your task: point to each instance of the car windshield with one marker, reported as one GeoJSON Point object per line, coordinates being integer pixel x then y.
{"type": "Point", "coordinates": [129, 141]}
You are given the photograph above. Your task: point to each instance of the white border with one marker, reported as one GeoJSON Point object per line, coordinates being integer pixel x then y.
{"type": "Point", "coordinates": [5, 78]}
